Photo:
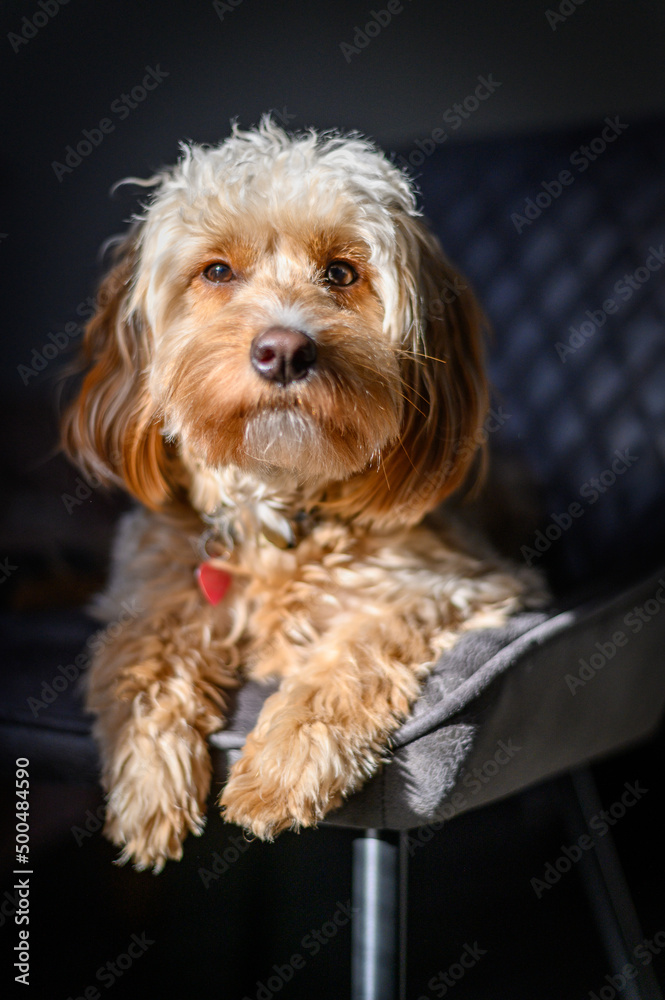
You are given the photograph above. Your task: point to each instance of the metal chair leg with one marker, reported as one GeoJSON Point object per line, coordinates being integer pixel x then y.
{"type": "Point", "coordinates": [608, 892]}
{"type": "Point", "coordinates": [379, 916]}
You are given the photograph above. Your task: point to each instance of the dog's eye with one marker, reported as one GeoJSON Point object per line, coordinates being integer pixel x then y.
{"type": "Point", "coordinates": [340, 273]}
{"type": "Point", "coordinates": [218, 272]}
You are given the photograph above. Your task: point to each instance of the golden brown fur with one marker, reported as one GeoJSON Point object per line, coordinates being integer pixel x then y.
{"type": "Point", "coordinates": [340, 463]}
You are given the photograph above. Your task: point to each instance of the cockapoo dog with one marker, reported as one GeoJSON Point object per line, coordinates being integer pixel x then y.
{"type": "Point", "coordinates": [278, 371]}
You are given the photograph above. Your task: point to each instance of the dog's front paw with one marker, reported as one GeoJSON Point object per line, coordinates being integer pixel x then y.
{"type": "Point", "coordinates": [290, 779]}
{"type": "Point", "coordinates": [157, 794]}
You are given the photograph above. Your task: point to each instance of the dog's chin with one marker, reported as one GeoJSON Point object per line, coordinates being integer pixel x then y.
{"type": "Point", "coordinates": [294, 442]}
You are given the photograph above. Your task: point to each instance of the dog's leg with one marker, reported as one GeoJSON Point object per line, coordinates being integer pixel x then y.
{"type": "Point", "coordinates": [325, 730]}
{"type": "Point", "coordinates": [156, 685]}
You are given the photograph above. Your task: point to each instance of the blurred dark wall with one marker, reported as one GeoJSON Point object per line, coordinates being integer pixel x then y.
{"type": "Point", "coordinates": [66, 68]}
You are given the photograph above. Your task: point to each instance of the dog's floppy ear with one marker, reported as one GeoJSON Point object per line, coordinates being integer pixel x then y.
{"type": "Point", "coordinates": [445, 391]}
{"type": "Point", "coordinates": [111, 429]}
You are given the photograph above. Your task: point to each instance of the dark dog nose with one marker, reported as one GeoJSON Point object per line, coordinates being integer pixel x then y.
{"type": "Point", "coordinates": [283, 355]}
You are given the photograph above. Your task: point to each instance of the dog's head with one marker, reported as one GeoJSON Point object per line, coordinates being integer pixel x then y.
{"type": "Point", "coordinates": [280, 307]}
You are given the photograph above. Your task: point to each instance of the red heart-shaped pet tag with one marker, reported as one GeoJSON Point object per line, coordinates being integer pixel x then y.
{"type": "Point", "coordinates": [213, 582]}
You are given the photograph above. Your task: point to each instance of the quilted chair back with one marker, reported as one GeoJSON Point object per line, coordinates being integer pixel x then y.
{"type": "Point", "coordinates": [563, 238]}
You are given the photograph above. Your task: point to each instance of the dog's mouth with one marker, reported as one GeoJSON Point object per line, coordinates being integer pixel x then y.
{"type": "Point", "coordinates": [305, 429]}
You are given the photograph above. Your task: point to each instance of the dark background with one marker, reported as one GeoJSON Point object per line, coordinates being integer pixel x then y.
{"type": "Point", "coordinates": [604, 59]}
{"type": "Point", "coordinates": [471, 883]}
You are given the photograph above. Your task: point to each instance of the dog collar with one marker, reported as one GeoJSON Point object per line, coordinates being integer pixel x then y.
{"type": "Point", "coordinates": [230, 528]}
{"type": "Point", "coordinates": [222, 537]}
